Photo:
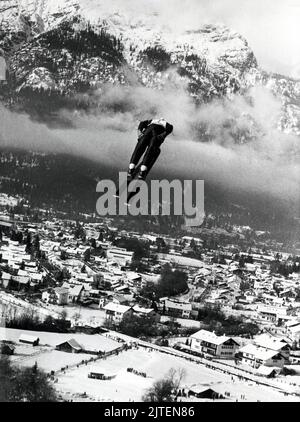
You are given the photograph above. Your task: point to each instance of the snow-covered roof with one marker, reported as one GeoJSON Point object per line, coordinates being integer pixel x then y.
{"type": "Point", "coordinates": [210, 337]}
{"type": "Point", "coordinates": [27, 338]}
{"type": "Point", "coordinates": [270, 343]}
{"type": "Point", "coordinates": [115, 307]}
{"type": "Point", "coordinates": [73, 343]}
{"type": "Point", "coordinates": [258, 352]}
{"type": "Point", "coordinates": [266, 370]}
{"type": "Point", "coordinates": [76, 290]}
{"type": "Point", "coordinates": [183, 306]}
{"type": "Point", "coordinates": [141, 310]}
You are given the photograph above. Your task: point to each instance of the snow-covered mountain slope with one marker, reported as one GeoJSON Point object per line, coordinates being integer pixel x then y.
{"type": "Point", "coordinates": [64, 47]}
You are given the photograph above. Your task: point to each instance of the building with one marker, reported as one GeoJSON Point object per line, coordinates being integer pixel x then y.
{"type": "Point", "coordinates": [272, 343]}
{"type": "Point", "coordinates": [175, 308]}
{"type": "Point", "coordinates": [202, 392]}
{"type": "Point", "coordinates": [69, 346]}
{"type": "Point", "coordinates": [256, 356]}
{"type": "Point", "coordinates": [120, 255]}
{"type": "Point", "coordinates": [57, 296]}
{"type": "Point", "coordinates": [24, 338]}
{"type": "Point", "coordinates": [293, 330]}
{"type": "Point", "coordinates": [100, 374]}
{"type": "Point", "coordinates": [6, 279]}
{"type": "Point", "coordinates": [149, 312]}
{"type": "Point", "coordinates": [134, 280]}
{"type": "Point", "coordinates": [76, 293]}
{"type": "Point", "coordinates": [115, 313]}
{"type": "Point", "coordinates": [206, 342]}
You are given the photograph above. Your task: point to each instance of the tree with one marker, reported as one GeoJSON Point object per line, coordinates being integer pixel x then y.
{"type": "Point", "coordinates": [6, 375]}
{"type": "Point", "coordinates": [87, 255]}
{"type": "Point", "coordinates": [28, 244]}
{"type": "Point", "coordinates": [63, 315]}
{"type": "Point", "coordinates": [24, 385]}
{"type": "Point", "coordinates": [137, 326]}
{"type": "Point", "coordinates": [242, 262]}
{"type": "Point", "coordinates": [164, 389]}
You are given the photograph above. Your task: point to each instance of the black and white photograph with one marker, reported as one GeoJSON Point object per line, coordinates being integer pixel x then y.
{"type": "Point", "coordinates": [150, 204]}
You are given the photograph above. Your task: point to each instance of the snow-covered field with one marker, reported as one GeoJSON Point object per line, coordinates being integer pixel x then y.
{"type": "Point", "coordinates": [52, 360]}
{"type": "Point", "coordinates": [126, 386]}
{"type": "Point", "coordinates": [87, 315]}
{"type": "Point", "coordinates": [92, 342]}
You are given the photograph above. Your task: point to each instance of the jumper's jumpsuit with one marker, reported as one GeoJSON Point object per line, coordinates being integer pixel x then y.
{"type": "Point", "coordinates": [153, 135]}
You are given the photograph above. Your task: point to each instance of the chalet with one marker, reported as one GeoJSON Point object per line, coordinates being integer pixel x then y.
{"type": "Point", "coordinates": [26, 339]}
{"type": "Point", "coordinates": [256, 356]}
{"type": "Point", "coordinates": [116, 313]}
{"type": "Point", "coordinates": [69, 346]}
{"type": "Point", "coordinates": [206, 342]}
{"type": "Point", "coordinates": [272, 343]}
{"type": "Point", "coordinates": [268, 371]}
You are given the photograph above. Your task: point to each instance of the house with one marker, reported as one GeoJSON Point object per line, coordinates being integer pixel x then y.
{"type": "Point", "coordinates": [6, 278]}
{"type": "Point", "coordinates": [24, 338]}
{"type": "Point", "coordinates": [149, 312]}
{"type": "Point", "coordinates": [57, 296]}
{"type": "Point", "coordinates": [206, 342]}
{"type": "Point", "coordinates": [22, 281]}
{"type": "Point", "coordinates": [268, 371]}
{"type": "Point", "coordinates": [294, 332]}
{"type": "Point", "coordinates": [256, 356]}
{"type": "Point", "coordinates": [69, 346]}
{"type": "Point", "coordinates": [175, 308]}
{"type": "Point", "coordinates": [202, 392]}
{"type": "Point", "coordinates": [272, 343]}
{"type": "Point", "coordinates": [75, 293]}
{"type": "Point", "coordinates": [116, 313]}
{"type": "Point", "coordinates": [134, 280]}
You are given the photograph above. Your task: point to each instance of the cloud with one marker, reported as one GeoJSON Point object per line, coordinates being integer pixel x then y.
{"type": "Point", "coordinates": [204, 144]}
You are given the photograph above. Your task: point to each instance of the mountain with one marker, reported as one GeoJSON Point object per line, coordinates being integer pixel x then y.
{"type": "Point", "coordinates": [62, 54]}
{"type": "Point", "coordinates": [57, 49]}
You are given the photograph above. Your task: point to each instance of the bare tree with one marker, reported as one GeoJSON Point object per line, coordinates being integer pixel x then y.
{"type": "Point", "coordinates": [166, 388]}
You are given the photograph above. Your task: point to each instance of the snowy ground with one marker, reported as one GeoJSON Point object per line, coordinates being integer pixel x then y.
{"type": "Point", "coordinates": [92, 342]}
{"type": "Point", "coordinates": [52, 360]}
{"type": "Point", "coordinates": [87, 315]}
{"type": "Point", "coordinates": [127, 387]}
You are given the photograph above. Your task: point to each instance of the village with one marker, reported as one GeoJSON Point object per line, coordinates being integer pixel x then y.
{"type": "Point", "coordinates": [105, 312]}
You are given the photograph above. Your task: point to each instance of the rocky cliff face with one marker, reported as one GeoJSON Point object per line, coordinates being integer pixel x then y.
{"type": "Point", "coordinates": [55, 49]}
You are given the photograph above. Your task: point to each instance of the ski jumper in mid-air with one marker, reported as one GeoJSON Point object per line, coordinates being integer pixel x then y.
{"type": "Point", "coordinates": [151, 134]}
